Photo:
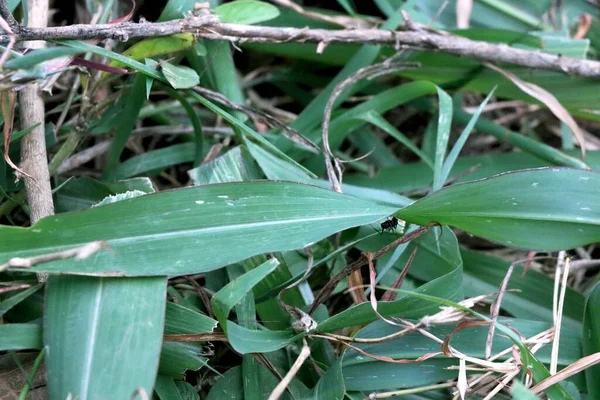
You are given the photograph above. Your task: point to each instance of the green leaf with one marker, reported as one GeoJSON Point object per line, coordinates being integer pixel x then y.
{"type": "Point", "coordinates": [229, 386]}
{"type": "Point", "coordinates": [418, 176]}
{"type": "Point", "coordinates": [312, 115]}
{"type": "Point", "coordinates": [277, 169]}
{"type": "Point", "coordinates": [191, 230]}
{"type": "Point", "coordinates": [417, 378]}
{"type": "Point", "coordinates": [234, 166]}
{"type": "Point", "coordinates": [380, 122]}
{"type": "Point", "coordinates": [124, 123]}
{"type": "Point", "coordinates": [462, 139]}
{"type": "Point", "coordinates": [155, 161]}
{"type": "Point", "coordinates": [179, 319]}
{"type": "Point", "coordinates": [245, 340]}
{"type": "Point", "coordinates": [179, 76]}
{"type": "Point", "coordinates": [177, 358]}
{"type": "Point", "coordinates": [520, 392]}
{"type": "Point", "coordinates": [196, 123]}
{"type": "Point", "coordinates": [187, 391]}
{"type": "Point", "coordinates": [103, 335]}
{"type": "Point", "coordinates": [522, 209]}
{"type": "Point", "coordinates": [136, 65]}
{"type": "Point", "coordinates": [82, 193]}
{"type": "Point", "coordinates": [20, 337]}
{"type": "Point", "coordinates": [365, 373]}
{"type": "Point", "coordinates": [166, 389]}
{"type": "Point", "coordinates": [591, 339]}
{"type": "Point", "coordinates": [10, 302]}
{"type": "Point", "coordinates": [176, 9]}
{"type": "Point", "coordinates": [246, 12]}
{"type": "Point", "coordinates": [155, 47]}
{"type": "Point", "coordinates": [36, 57]}
{"type": "Point", "coordinates": [331, 385]}
{"type": "Point", "coordinates": [444, 122]}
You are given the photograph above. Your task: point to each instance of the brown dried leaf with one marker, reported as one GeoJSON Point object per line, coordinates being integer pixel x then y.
{"type": "Point", "coordinates": [390, 295]}
{"type": "Point", "coordinates": [548, 100]}
{"type": "Point", "coordinates": [575, 368]}
{"type": "Point", "coordinates": [341, 20]}
{"type": "Point", "coordinates": [463, 13]}
{"type": "Point", "coordinates": [585, 21]}
{"type": "Point", "coordinates": [356, 288]}
{"type": "Point", "coordinates": [445, 347]}
{"type": "Point", "coordinates": [8, 99]}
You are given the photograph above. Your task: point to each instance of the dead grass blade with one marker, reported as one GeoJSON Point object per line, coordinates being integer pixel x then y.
{"type": "Point", "coordinates": [548, 100]}
{"type": "Point", "coordinates": [281, 386]}
{"type": "Point", "coordinates": [8, 99]}
{"type": "Point", "coordinates": [575, 368]}
{"type": "Point", "coordinates": [463, 13]}
{"type": "Point", "coordinates": [341, 20]}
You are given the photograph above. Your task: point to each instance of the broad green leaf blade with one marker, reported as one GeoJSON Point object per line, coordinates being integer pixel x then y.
{"type": "Point", "coordinates": [246, 12]}
{"type": "Point", "coordinates": [444, 122]}
{"type": "Point", "coordinates": [180, 76]}
{"type": "Point", "coordinates": [179, 319]}
{"type": "Point", "coordinates": [166, 389]}
{"type": "Point", "coordinates": [192, 230]}
{"type": "Point", "coordinates": [520, 392]}
{"type": "Point", "coordinates": [229, 386]}
{"type": "Point", "coordinates": [331, 385]}
{"type": "Point", "coordinates": [177, 358]}
{"type": "Point", "coordinates": [591, 339]}
{"type": "Point", "coordinates": [103, 335]}
{"type": "Point", "coordinates": [234, 166]}
{"type": "Point", "coordinates": [20, 337]}
{"type": "Point", "coordinates": [523, 209]}
{"type": "Point", "coordinates": [82, 193]}
{"type": "Point", "coordinates": [418, 176]}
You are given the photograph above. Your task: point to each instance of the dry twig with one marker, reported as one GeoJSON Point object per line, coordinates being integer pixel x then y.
{"type": "Point", "coordinates": [208, 27]}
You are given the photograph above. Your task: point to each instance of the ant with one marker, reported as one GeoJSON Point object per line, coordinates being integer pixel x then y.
{"type": "Point", "coordinates": [389, 225]}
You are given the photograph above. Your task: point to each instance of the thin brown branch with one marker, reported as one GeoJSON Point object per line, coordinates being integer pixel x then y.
{"type": "Point", "coordinates": [208, 27]}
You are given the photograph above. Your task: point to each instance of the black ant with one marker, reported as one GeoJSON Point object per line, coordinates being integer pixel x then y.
{"type": "Point", "coordinates": [389, 225]}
